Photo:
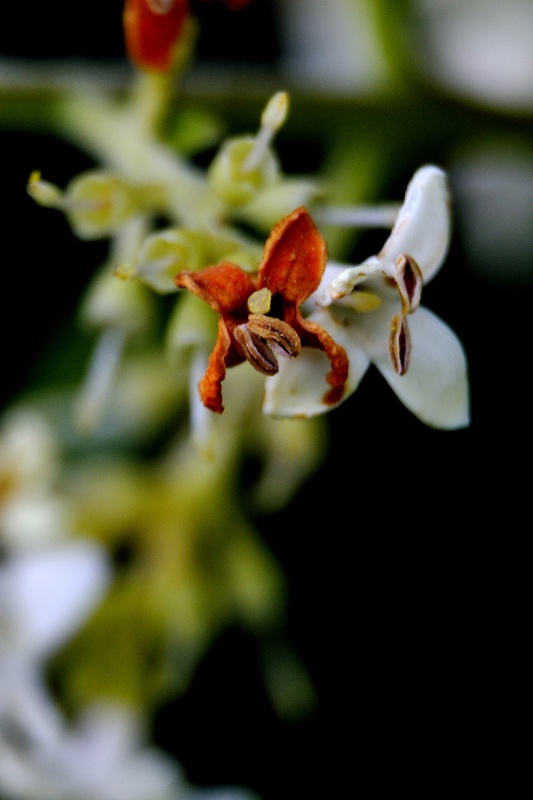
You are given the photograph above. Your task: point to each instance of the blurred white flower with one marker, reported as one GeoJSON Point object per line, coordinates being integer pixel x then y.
{"type": "Point", "coordinates": [480, 49]}
{"type": "Point", "coordinates": [44, 597]}
{"type": "Point", "coordinates": [31, 514]}
{"type": "Point", "coordinates": [48, 594]}
{"type": "Point", "coordinates": [493, 192]}
{"type": "Point", "coordinates": [331, 45]}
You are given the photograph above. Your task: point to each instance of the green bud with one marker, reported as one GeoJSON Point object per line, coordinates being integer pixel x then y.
{"type": "Point", "coordinates": [165, 253]}
{"type": "Point", "coordinates": [192, 325]}
{"type": "Point", "coordinates": [275, 202]}
{"type": "Point", "coordinates": [97, 203]}
{"type": "Point", "coordinates": [114, 303]}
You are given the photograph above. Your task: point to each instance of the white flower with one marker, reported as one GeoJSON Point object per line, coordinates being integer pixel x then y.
{"type": "Point", "coordinates": [32, 514]}
{"type": "Point", "coordinates": [44, 598]}
{"type": "Point", "coordinates": [369, 310]}
{"type": "Point", "coordinates": [103, 754]}
{"type": "Point", "coordinates": [477, 49]}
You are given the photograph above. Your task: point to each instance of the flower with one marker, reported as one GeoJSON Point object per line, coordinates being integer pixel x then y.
{"type": "Point", "coordinates": [101, 752]}
{"type": "Point", "coordinates": [422, 359]}
{"type": "Point", "coordinates": [259, 314]}
{"type": "Point", "coordinates": [45, 596]}
{"type": "Point", "coordinates": [152, 28]}
{"type": "Point", "coordinates": [32, 512]}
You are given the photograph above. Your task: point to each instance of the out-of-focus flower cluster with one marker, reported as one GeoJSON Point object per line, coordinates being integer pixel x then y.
{"type": "Point", "coordinates": [124, 501]}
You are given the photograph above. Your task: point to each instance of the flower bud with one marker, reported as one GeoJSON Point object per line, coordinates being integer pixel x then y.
{"type": "Point", "coordinates": [111, 303]}
{"type": "Point", "coordinates": [278, 200]}
{"type": "Point", "coordinates": [152, 29]}
{"type": "Point", "coordinates": [43, 192]}
{"type": "Point", "coordinates": [97, 203]}
{"type": "Point", "coordinates": [232, 181]}
{"type": "Point", "coordinates": [165, 253]}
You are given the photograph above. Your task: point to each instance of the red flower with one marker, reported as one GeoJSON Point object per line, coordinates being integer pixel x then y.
{"type": "Point", "coordinates": [259, 313]}
{"type": "Point", "coordinates": [152, 27]}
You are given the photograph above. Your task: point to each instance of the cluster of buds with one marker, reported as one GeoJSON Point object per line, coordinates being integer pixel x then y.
{"type": "Point", "coordinates": [257, 315]}
{"type": "Point", "coordinates": [308, 325]}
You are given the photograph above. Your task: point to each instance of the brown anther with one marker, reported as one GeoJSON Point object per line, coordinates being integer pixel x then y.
{"type": "Point", "coordinates": [275, 331]}
{"type": "Point", "coordinates": [255, 350]}
{"type": "Point", "coordinates": [409, 281]}
{"type": "Point", "coordinates": [399, 343]}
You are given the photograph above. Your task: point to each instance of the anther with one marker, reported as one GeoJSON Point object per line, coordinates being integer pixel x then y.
{"type": "Point", "coordinates": [277, 333]}
{"type": "Point", "coordinates": [256, 351]}
{"type": "Point", "coordinates": [399, 343]}
{"type": "Point", "coordinates": [409, 281]}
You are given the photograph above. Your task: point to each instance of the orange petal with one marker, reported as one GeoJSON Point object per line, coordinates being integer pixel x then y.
{"type": "Point", "coordinates": [295, 258]}
{"type": "Point", "coordinates": [151, 28]}
{"type": "Point", "coordinates": [225, 287]}
{"type": "Point", "coordinates": [210, 387]}
{"type": "Point", "coordinates": [313, 335]}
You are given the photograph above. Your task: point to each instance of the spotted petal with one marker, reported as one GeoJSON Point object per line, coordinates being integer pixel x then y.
{"type": "Point", "coordinates": [435, 387]}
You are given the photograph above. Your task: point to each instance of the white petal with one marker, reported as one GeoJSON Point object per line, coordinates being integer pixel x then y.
{"type": "Point", "coordinates": [349, 278]}
{"type": "Point", "coordinates": [422, 228]}
{"type": "Point", "coordinates": [322, 295]}
{"type": "Point", "coordinates": [104, 757]}
{"type": "Point", "coordinates": [299, 388]}
{"type": "Point", "coordinates": [52, 592]}
{"type": "Point", "coordinates": [31, 521]}
{"type": "Point", "coordinates": [480, 50]}
{"type": "Point", "coordinates": [435, 387]}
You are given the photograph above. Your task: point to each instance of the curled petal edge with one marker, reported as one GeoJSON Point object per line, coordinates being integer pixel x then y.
{"type": "Point", "coordinates": [300, 387]}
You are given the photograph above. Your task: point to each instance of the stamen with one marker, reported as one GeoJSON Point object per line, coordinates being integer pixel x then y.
{"type": "Point", "coordinates": [399, 343]}
{"type": "Point", "coordinates": [272, 118]}
{"type": "Point", "coordinates": [256, 351]}
{"type": "Point", "coordinates": [276, 332]}
{"type": "Point", "coordinates": [43, 192]}
{"type": "Point", "coordinates": [409, 281]}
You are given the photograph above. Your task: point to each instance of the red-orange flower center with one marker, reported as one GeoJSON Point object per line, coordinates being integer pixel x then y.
{"type": "Point", "coordinates": [260, 318]}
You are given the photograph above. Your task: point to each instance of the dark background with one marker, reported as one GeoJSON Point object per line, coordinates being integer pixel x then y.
{"type": "Point", "coordinates": [408, 555]}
